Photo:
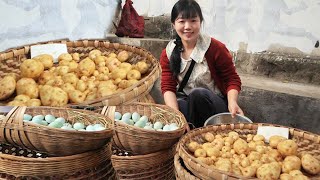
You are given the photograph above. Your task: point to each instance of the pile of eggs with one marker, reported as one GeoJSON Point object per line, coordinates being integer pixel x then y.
{"type": "Point", "coordinates": [137, 120]}
{"type": "Point", "coordinates": [59, 122]}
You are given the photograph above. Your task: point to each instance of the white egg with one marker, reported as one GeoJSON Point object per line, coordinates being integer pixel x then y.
{"type": "Point", "coordinates": [27, 117]}
{"type": "Point", "coordinates": [45, 123]}
{"type": "Point", "coordinates": [78, 125]}
{"type": "Point", "coordinates": [131, 122]}
{"type": "Point", "coordinates": [49, 118]}
{"type": "Point", "coordinates": [166, 127]}
{"type": "Point", "coordinates": [158, 125]}
{"type": "Point", "coordinates": [127, 121]}
{"type": "Point", "coordinates": [148, 127]}
{"type": "Point", "coordinates": [100, 128]}
{"type": "Point", "coordinates": [98, 125]}
{"type": "Point", "coordinates": [144, 118]}
{"type": "Point", "coordinates": [174, 128]}
{"type": "Point", "coordinates": [67, 128]}
{"type": "Point", "coordinates": [38, 117]}
{"type": "Point", "coordinates": [140, 124]}
{"type": "Point", "coordinates": [56, 124]}
{"type": "Point", "coordinates": [60, 119]}
{"type": "Point", "coordinates": [135, 116]}
{"type": "Point", "coordinates": [90, 128]}
{"type": "Point", "coordinates": [149, 124]}
{"type": "Point", "coordinates": [117, 115]}
{"type": "Point", "coordinates": [126, 116]}
{"type": "Point", "coordinates": [67, 124]}
{"type": "Point", "coordinates": [36, 120]}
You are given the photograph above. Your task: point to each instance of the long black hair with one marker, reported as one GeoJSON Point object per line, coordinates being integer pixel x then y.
{"type": "Point", "coordinates": [187, 9]}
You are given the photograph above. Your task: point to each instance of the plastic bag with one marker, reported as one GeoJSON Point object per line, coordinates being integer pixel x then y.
{"type": "Point", "coordinates": [131, 24]}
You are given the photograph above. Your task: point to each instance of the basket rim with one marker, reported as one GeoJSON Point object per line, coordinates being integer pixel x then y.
{"type": "Point", "coordinates": [133, 90]}
{"type": "Point", "coordinates": [153, 131]}
{"type": "Point", "coordinates": [109, 129]}
{"type": "Point", "coordinates": [187, 158]}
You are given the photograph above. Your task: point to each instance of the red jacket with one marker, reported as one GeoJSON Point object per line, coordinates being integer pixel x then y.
{"type": "Point", "coordinates": [220, 64]}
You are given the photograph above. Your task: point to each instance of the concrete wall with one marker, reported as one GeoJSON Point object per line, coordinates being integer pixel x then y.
{"type": "Point", "coordinates": [30, 21]}
{"type": "Point", "coordinates": [259, 23]}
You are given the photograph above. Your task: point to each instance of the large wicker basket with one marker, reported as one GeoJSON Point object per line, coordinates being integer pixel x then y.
{"type": "Point", "coordinates": [306, 142]}
{"type": "Point", "coordinates": [158, 165]}
{"type": "Point", "coordinates": [11, 60]}
{"type": "Point", "coordinates": [18, 163]}
{"type": "Point", "coordinates": [142, 141]}
{"type": "Point", "coordinates": [181, 172]}
{"type": "Point", "coordinates": [54, 141]}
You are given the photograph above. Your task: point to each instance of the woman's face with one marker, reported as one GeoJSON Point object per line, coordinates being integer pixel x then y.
{"type": "Point", "coordinates": [188, 29]}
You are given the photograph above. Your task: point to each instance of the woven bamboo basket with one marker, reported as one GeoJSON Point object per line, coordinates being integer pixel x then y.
{"type": "Point", "coordinates": [182, 173]}
{"type": "Point", "coordinates": [18, 163]}
{"type": "Point", "coordinates": [142, 141]}
{"type": "Point", "coordinates": [158, 165]}
{"type": "Point", "coordinates": [54, 141]}
{"type": "Point", "coordinates": [11, 60]}
{"type": "Point", "coordinates": [306, 142]}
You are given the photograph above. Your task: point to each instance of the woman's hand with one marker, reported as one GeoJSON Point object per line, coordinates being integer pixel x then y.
{"type": "Point", "coordinates": [234, 109]}
{"type": "Point", "coordinates": [232, 103]}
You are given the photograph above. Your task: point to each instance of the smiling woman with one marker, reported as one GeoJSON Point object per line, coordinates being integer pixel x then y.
{"type": "Point", "coordinates": [200, 66]}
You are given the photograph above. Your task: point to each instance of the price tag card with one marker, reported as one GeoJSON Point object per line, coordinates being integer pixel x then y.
{"type": "Point", "coordinates": [268, 131]}
{"type": "Point", "coordinates": [53, 49]}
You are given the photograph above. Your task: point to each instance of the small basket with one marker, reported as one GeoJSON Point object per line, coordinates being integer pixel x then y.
{"type": "Point", "coordinates": [11, 60]}
{"type": "Point", "coordinates": [306, 142]}
{"type": "Point", "coordinates": [142, 141]}
{"type": "Point", "coordinates": [18, 163]}
{"type": "Point", "coordinates": [152, 166]}
{"type": "Point", "coordinates": [54, 141]}
{"type": "Point", "coordinates": [181, 172]}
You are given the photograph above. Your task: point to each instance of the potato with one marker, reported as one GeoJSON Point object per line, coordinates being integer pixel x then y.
{"type": "Point", "coordinates": [207, 145]}
{"type": "Point", "coordinates": [287, 147]}
{"type": "Point", "coordinates": [45, 59]}
{"type": "Point", "coordinates": [104, 91]}
{"type": "Point", "coordinates": [22, 97]}
{"type": "Point", "coordinates": [133, 74]}
{"type": "Point", "coordinates": [310, 164]}
{"type": "Point", "coordinates": [254, 156]}
{"type": "Point", "coordinates": [269, 171]}
{"type": "Point", "coordinates": [123, 56]}
{"type": "Point", "coordinates": [241, 146]}
{"type": "Point", "coordinates": [209, 137]}
{"type": "Point", "coordinates": [70, 78]}
{"type": "Point", "coordinates": [53, 96]}
{"type": "Point", "coordinates": [275, 140]}
{"type": "Point", "coordinates": [113, 64]}
{"type": "Point", "coordinates": [77, 96]}
{"type": "Point", "coordinates": [103, 70]}
{"type": "Point", "coordinates": [295, 173]}
{"type": "Point", "coordinates": [30, 90]}
{"type": "Point", "coordinates": [8, 86]}
{"type": "Point", "coordinates": [67, 87]}
{"type": "Point", "coordinates": [76, 57]}
{"type": "Point", "coordinates": [31, 68]}
{"type": "Point", "coordinates": [99, 59]}
{"type": "Point", "coordinates": [86, 67]}
{"type": "Point", "coordinates": [65, 56]}
{"type": "Point", "coordinates": [213, 151]}
{"type": "Point", "coordinates": [81, 86]}
{"type": "Point", "coordinates": [119, 73]}
{"type": "Point", "coordinates": [142, 67]}
{"type": "Point", "coordinates": [73, 66]}
{"type": "Point", "coordinates": [94, 54]}
{"type": "Point", "coordinates": [16, 103]}
{"type": "Point", "coordinates": [258, 137]}
{"type": "Point", "coordinates": [275, 154]}
{"type": "Point", "coordinates": [33, 102]}
{"type": "Point", "coordinates": [234, 135]}
{"type": "Point", "coordinates": [249, 171]}
{"type": "Point", "coordinates": [44, 77]}
{"type": "Point", "coordinates": [126, 66]}
{"type": "Point", "coordinates": [291, 163]}
{"type": "Point", "coordinates": [91, 96]}
{"type": "Point", "coordinates": [62, 70]}
{"type": "Point", "coordinates": [285, 176]}
{"type": "Point", "coordinates": [193, 146]}
{"type": "Point", "coordinates": [132, 82]}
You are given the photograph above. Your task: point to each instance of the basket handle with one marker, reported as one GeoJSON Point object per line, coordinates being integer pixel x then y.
{"type": "Point", "coordinates": [5, 122]}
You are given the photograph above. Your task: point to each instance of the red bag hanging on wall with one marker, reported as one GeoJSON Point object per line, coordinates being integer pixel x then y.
{"type": "Point", "coordinates": [131, 24]}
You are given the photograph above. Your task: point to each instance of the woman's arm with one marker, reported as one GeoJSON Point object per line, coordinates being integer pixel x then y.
{"type": "Point", "coordinates": [232, 103]}
{"type": "Point", "coordinates": [170, 99]}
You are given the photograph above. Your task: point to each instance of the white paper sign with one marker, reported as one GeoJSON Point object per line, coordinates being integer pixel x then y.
{"type": "Point", "coordinates": [268, 131]}
{"type": "Point", "coordinates": [53, 49]}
